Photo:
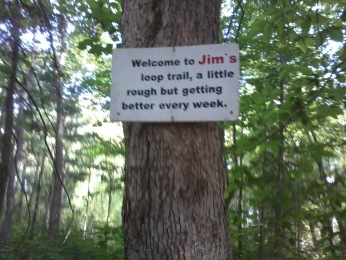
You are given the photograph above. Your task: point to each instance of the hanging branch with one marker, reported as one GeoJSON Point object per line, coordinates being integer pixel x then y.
{"type": "Point", "coordinates": [234, 13]}
{"type": "Point", "coordinates": [241, 20]}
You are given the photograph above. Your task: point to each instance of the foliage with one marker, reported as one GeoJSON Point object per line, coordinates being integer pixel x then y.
{"type": "Point", "coordinates": [75, 247]}
{"type": "Point", "coordinates": [88, 156]}
{"type": "Point", "coordinates": [286, 150]}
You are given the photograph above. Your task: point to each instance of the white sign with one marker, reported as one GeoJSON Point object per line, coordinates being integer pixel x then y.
{"type": "Point", "coordinates": [191, 83]}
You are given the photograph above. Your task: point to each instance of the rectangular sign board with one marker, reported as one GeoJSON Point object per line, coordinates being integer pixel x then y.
{"type": "Point", "coordinates": [176, 84]}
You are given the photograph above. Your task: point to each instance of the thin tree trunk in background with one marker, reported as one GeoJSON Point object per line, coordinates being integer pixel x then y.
{"type": "Point", "coordinates": [279, 230]}
{"type": "Point", "coordinates": [107, 231]}
{"type": "Point", "coordinates": [59, 169]}
{"type": "Point", "coordinates": [261, 233]}
{"type": "Point", "coordinates": [342, 230]}
{"type": "Point", "coordinates": [7, 223]}
{"type": "Point", "coordinates": [58, 178]}
{"type": "Point", "coordinates": [328, 223]}
{"type": "Point", "coordinates": [313, 235]}
{"type": "Point", "coordinates": [109, 207]}
{"type": "Point", "coordinates": [299, 232]}
{"type": "Point", "coordinates": [7, 144]}
{"type": "Point", "coordinates": [240, 225]}
{"type": "Point", "coordinates": [38, 169]}
{"type": "Point", "coordinates": [24, 100]}
{"type": "Point", "coordinates": [47, 202]}
{"type": "Point", "coordinates": [87, 207]}
{"type": "Point", "coordinates": [240, 198]}
{"type": "Point", "coordinates": [262, 230]}
{"type": "Point", "coordinates": [174, 179]}
{"type": "Point", "coordinates": [37, 199]}
{"type": "Point", "coordinates": [22, 189]}
{"type": "Point", "coordinates": [7, 176]}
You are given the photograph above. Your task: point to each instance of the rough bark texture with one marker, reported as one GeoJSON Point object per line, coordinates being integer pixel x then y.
{"type": "Point", "coordinates": [174, 181]}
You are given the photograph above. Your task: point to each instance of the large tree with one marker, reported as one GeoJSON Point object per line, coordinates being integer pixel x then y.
{"type": "Point", "coordinates": [174, 179]}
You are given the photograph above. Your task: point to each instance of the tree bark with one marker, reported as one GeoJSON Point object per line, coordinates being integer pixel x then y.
{"type": "Point", "coordinates": [7, 145]}
{"type": "Point", "coordinates": [59, 168]}
{"type": "Point", "coordinates": [7, 166]}
{"type": "Point", "coordinates": [174, 179]}
{"type": "Point", "coordinates": [37, 199]}
{"type": "Point", "coordinates": [7, 223]}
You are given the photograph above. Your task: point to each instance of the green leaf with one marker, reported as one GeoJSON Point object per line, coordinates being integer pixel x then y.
{"type": "Point", "coordinates": [6, 69]}
{"type": "Point", "coordinates": [257, 28]}
{"type": "Point", "coordinates": [302, 45]}
{"type": "Point", "coordinates": [322, 37]}
{"type": "Point", "coordinates": [243, 144]}
{"type": "Point", "coordinates": [267, 33]}
{"type": "Point", "coordinates": [108, 49]}
{"type": "Point", "coordinates": [96, 49]}
{"type": "Point", "coordinates": [284, 73]}
{"type": "Point", "coordinates": [343, 16]}
{"type": "Point", "coordinates": [85, 43]}
{"type": "Point", "coordinates": [309, 40]}
{"type": "Point", "coordinates": [320, 152]}
{"type": "Point", "coordinates": [306, 25]}
{"type": "Point", "coordinates": [336, 34]}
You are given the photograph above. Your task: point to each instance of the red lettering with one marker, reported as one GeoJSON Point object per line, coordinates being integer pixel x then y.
{"type": "Point", "coordinates": [232, 59]}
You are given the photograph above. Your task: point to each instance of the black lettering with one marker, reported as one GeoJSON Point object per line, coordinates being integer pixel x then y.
{"type": "Point", "coordinates": [137, 106]}
{"type": "Point", "coordinates": [172, 91]}
{"type": "Point", "coordinates": [206, 104]}
{"type": "Point", "coordinates": [155, 63]}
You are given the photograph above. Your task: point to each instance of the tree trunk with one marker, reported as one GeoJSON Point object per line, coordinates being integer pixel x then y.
{"type": "Point", "coordinates": [85, 225]}
{"type": "Point", "coordinates": [261, 238]}
{"type": "Point", "coordinates": [335, 208]}
{"type": "Point", "coordinates": [342, 230]}
{"type": "Point", "coordinates": [7, 145]}
{"type": "Point", "coordinates": [279, 230]}
{"type": "Point", "coordinates": [37, 199]}
{"type": "Point", "coordinates": [109, 207]}
{"type": "Point", "coordinates": [299, 226]}
{"type": "Point", "coordinates": [240, 190]}
{"type": "Point", "coordinates": [174, 180]}
{"type": "Point", "coordinates": [7, 223]}
{"type": "Point", "coordinates": [59, 169]}
{"type": "Point", "coordinates": [58, 180]}
{"type": "Point", "coordinates": [313, 235]}
{"type": "Point", "coordinates": [20, 127]}
{"type": "Point", "coordinates": [328, 225]}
